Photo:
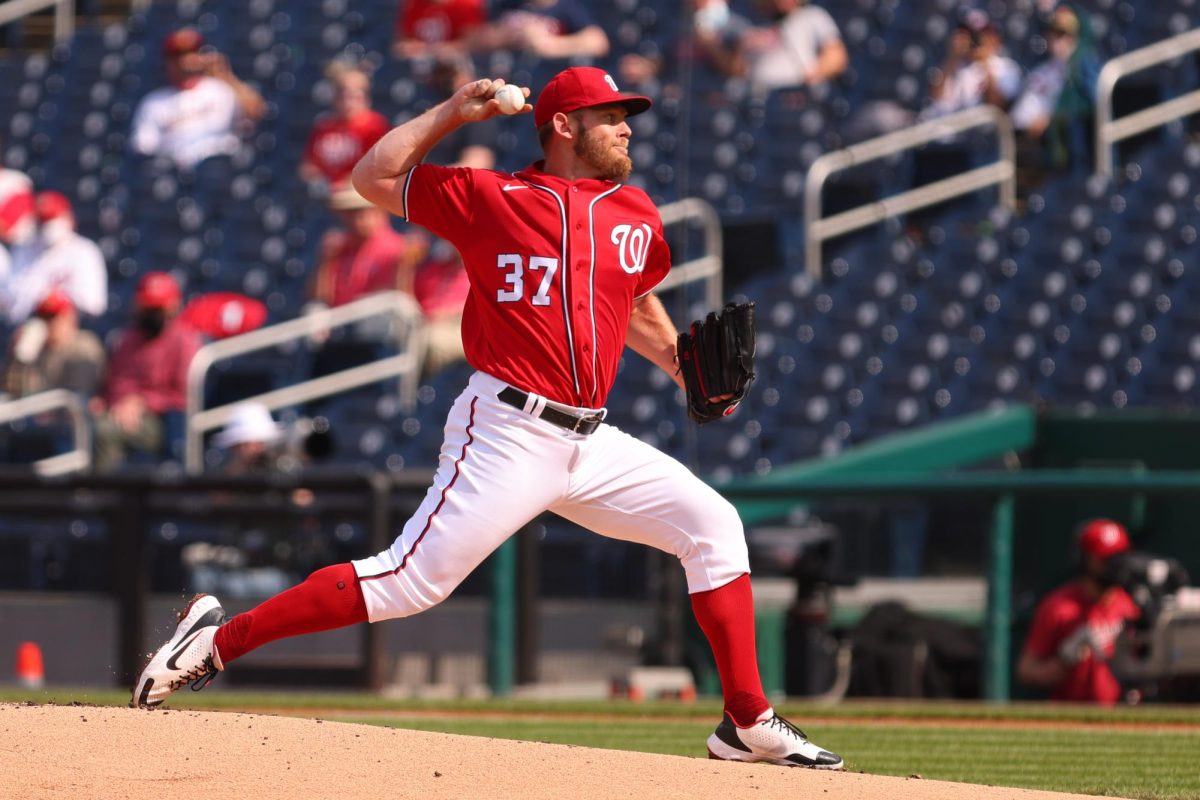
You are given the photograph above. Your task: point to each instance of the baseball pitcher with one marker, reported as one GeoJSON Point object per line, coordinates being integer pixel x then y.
{"type": "Point", "coordinates": [563, 258]}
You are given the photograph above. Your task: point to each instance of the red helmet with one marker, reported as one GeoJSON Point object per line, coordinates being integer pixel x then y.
{"type": "Point", "coordinates": [1103, 538]}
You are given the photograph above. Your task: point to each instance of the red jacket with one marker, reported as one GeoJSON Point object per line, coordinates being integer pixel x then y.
{"type": "Point", "coordinates": [155, 368]}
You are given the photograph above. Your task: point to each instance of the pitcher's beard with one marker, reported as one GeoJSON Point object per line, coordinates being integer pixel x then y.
{"type": "Point", "coordinates": [610, 164]}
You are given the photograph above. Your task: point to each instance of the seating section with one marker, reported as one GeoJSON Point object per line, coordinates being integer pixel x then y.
{"type": "Point", "coordinates": [1085, 298]}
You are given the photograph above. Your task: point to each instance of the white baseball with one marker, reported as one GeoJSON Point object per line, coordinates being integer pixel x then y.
{"type": "Point", "coordinates": [511, 98]}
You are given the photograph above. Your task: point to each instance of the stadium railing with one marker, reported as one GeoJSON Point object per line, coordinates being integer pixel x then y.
{"type": "Point", "coordinates": [1001, 172]}
{"type": "Point", "coordinates": [406, 365]}
{"type": "Point", "coordinates": [1109, 131]}
{"type": "Point", "coordinates": [64, 14]}
{"type": "Point", "coordinates": [80, 456]}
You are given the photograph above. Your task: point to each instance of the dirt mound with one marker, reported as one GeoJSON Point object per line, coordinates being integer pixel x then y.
{"type": "Point", "coordinates": [87, 751]}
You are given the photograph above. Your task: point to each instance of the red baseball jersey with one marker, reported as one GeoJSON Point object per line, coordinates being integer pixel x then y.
{"type": "Point", "coordinates": [1059, 615]}
{"type": "Point", "coordinates": [335, 145]}
{"type": "Point", "coordinates": [554, 267]}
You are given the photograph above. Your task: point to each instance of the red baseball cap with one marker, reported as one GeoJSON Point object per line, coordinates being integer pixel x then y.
{"type": "Point", "coordinates": [54, 304]}
{"type": "Point", "coordinates": [1103, 538]}
{"type": "Point", "coordinates": [582, 87]}
{"type": "Point", "coordinates": [157, 290]}
{"type": "Point", "coordinates": [52, 205]}
{"type": "Point", "coordinates": [184, 40]}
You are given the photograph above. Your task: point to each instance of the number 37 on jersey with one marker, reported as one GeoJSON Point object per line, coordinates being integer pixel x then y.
{"type": "Point", "coordinates": [633, 244]}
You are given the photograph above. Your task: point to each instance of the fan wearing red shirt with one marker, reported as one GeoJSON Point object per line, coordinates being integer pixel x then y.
{"type": "Point", "coordinates": [147, 374]}
{"type": "Point", "coordinates": [363, 256]}
{"type": "Point", "coordinates": [563, 258]}
{"type": "Point", "coordinates": [436, 27]}
{"type": "Point", "coordinates": [1075, 627]}
{"type": "Point", "coordinates": [340, 137]}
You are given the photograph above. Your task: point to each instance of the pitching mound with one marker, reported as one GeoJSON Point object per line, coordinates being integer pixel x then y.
{"type": "Point", "coordinates": [86, 751]}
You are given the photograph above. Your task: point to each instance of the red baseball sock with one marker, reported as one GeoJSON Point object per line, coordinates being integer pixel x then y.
{"type": "Point", "coordinates": [726, 615]}
{"type": "Point", "coordinates": [329, 598]}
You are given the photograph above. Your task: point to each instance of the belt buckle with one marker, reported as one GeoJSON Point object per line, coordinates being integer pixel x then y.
{"type": "Point", "coordinates": [587, 424]}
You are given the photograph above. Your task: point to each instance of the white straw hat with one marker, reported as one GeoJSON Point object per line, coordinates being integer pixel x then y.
{"type": "Point", "coordinates": [249, 422]}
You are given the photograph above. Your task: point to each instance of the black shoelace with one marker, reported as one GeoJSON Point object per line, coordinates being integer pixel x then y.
{"type": "Point", "coordinates": [199, 677]}
{"type": "Point", "coordinates": [783, 725]}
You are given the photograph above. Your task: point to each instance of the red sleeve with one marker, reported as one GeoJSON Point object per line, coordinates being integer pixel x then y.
{"type": "Point", "coordinates": [1044, 635]}
{"type": "Point", "coordinates": [439, 199]}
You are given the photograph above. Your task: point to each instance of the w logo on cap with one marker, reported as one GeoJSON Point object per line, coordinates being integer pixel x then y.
{"type": "Point", "coordinates": [611, 83]}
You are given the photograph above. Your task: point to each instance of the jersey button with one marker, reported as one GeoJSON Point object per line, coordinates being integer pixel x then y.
{"type": "Point", "coordinates": [578, 226]}
{"type": "Point", "coordinates": [574, 188]}
{"type": "Point", "coordinates": [579, 306]}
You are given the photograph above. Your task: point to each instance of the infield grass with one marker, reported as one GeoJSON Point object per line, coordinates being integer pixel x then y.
{"type": "Point", "coordinates": [1151, 752]}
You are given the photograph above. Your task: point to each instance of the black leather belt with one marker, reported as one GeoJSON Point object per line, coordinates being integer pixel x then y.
{"type": "Point", "coordinates": [584, 424]}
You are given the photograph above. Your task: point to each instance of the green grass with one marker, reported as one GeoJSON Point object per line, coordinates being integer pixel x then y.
{"type": "Point", "coordinates": [1097, 754]}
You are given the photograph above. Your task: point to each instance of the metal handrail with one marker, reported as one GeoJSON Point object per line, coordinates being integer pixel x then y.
{"type": "Point", "coordinates": [79, 458]}
{"type": "Point", "coordinates": [1110, 131]}
{"type": "Point", "coordinates": [1001, 172]}
{"type": "Point", "coordinates": [64, 14]}
{"type": "Point", "coordinates": [406, 365]}
{"type": "Point", "coordinates": [708, 267]}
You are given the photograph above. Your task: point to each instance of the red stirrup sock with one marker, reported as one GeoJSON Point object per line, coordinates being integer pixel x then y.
{"type": "Point", "coordinates": [329, 598]}
{"type": "Point", "coordinates": [726, 615]}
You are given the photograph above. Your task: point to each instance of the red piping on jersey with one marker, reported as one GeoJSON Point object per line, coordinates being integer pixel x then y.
{"type": "Point", "coordinates": [441, 502]}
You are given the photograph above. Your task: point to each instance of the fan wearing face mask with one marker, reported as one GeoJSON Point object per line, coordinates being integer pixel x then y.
{"type": "Point", "coordinates": [61, 260]}
{"type": "Point", "coordinates": [147, 375]}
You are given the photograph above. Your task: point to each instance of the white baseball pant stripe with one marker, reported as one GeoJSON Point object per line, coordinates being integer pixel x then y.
{"type": "Point", "coordinates": [499, 468]}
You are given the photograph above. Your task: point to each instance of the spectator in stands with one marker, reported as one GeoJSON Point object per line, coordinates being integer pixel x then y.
{"type": "Point", "coordinates": [365, 255]}
{"type": "Point", "coordinates": [1055, 105]}
{"type": "Point", "coordinates": [341, 137]}
{"type": "Point", "coordinates": [51, 351]}
{"type": "Point", "coordinates": [436, 28]}
{"type": "Point", "coordinates": [250, 437]}
{"type": "Point", "coordinates": [975, 70]}
{"type": "Point", "coordinates": [801, 47]}
{"type": "Point", "coordinates": [549, 29]}
{"type": "Point", "coordinates": [196, 118]}
{"type": "Point", "coordinates": [712, 44]}
{"type": "Point", "coordinates": [146, 379]}
{"type": "Point", "coordinates": [60, 259]}
{"type": "Point", "coordinates": [1076, 626]}
{"type": "Point", "coordinates": [440, 286]}
{"type": "Point", "coordinates": [18, 229]}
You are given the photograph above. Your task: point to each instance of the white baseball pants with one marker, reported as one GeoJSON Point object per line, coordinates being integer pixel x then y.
{"type": "Point", "coordinates": [500, 467]}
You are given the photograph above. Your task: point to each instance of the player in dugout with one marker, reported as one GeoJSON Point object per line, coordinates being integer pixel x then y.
{"type": "Point", "coordinates": [1076, 626]}
{"type": "Point", "coordinates": [563, 258]}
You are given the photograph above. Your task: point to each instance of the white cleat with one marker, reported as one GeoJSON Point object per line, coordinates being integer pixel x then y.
{"type": "Point", "coordinates": [189, 656]}
{"type": "Point", "coordinates": [771, 739]}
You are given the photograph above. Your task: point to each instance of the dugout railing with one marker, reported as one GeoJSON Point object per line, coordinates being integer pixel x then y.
{"type": "Point", "coordinates": [130, 507]}
{"type": "Point", "coordinates": [1000, 490]}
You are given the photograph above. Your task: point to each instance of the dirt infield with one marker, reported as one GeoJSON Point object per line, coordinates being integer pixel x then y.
{"type": "Point", "coordinates": [90, 751]}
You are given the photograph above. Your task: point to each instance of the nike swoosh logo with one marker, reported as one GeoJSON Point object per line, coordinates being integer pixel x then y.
{"type": "Point", "coordinates": [510, 187]}
{"type": "Point", "coordinates": [172, 661]}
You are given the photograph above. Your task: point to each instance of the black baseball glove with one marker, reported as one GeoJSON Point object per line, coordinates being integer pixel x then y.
{"type": "Point", "coordinates": [716, 357]}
